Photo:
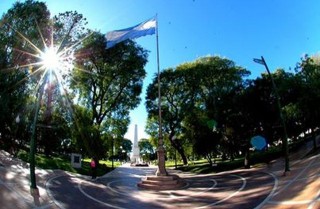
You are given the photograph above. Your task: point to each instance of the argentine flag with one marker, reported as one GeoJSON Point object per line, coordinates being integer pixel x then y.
{"type": "Point", "coordinates": [147, 27]}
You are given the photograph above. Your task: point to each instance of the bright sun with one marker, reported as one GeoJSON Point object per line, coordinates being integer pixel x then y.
{"type": "Point", "coordinates": [51, 59]}
{"type": "Point", "coordinates": [59, 62]}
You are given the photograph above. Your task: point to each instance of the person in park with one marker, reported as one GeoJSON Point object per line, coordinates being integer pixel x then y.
{"type": "Point", "coordinates": [93, 165]}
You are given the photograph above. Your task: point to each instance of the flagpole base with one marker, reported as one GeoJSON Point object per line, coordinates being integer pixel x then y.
{"type": "Point", "coordinates": [161, 171]}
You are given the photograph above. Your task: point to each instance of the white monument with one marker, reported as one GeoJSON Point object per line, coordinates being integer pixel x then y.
{"type": "Point", "coordinates": [135, 158]}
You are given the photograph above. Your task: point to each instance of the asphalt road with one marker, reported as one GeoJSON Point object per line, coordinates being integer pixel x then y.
{"type": "Point", "coordinates": [240, 189]}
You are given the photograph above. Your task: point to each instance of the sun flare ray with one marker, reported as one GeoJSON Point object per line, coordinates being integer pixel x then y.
{"type": "Point", "coordinates": [49, 64]}
{"type": "Point", "coordinates": [25, 38]}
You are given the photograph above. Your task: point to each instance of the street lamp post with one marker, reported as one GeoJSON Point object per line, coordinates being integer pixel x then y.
{"type": "Point", "coordinates": [33, 187]}
{"type": "Point", "coordinates": [50, 59]}
{"type": "Point", "coordinates": [285, 137]}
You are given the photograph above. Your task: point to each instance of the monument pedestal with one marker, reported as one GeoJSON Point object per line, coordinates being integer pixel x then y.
{"type": "Point", "coordinates": [168, 182]}
{"type": "Point", "coordinates": [162, 180]}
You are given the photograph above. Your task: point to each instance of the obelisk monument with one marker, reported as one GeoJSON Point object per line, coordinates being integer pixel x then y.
{"type": "Point", "coordinates": [136, 151]}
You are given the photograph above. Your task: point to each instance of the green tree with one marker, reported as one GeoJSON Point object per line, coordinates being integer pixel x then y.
{"type": "Point", "coordinates": [206, 140]}
{"type": "Point", "coordinates": [147, 151]}
{"type": "Point", "coordinates": [16, 34]}
{"type": "Point", "coordinates": [125, 148]}
{"type": "Point", "coordinates": [27, 33]}
{"type": "Point", "coordinates": [218, 81]}
{"type": "Point", "coordinates": [190, 89]}
{"type": "Point", "coordinates": [109, 82]}
{"type": "Point", "coordinates": [308, 70]}
{"type": "Point", "coordinates": [173, 101]}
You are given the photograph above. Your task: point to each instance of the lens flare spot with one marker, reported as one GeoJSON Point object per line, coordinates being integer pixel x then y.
{"type": "Point", "coordinates": [50, 58]}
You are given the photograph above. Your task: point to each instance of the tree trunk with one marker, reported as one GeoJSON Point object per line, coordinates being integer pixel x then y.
{"type": "Point", "coordinates": [183, 156]}
{"type": "Point", "coordinates": [176, 144]}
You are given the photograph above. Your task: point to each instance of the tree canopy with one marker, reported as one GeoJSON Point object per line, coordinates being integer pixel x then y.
{"type": "Point", "coordinates": [87, 98]}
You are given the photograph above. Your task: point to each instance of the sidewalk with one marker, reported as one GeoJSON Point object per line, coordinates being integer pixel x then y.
{"type": "Point", "coordinates": [300, 189]}
{"type": "Point", "coordinates": [15, 185]}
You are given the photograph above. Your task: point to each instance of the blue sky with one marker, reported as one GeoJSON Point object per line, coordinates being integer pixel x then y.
{"type": "Point", "coordinates": [280, 30]}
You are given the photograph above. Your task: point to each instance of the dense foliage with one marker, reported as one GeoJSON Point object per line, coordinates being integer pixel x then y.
{"type": "Point", "coordinates": [210, 109]}
{"type": "Point", "coordinates": [84, 101]}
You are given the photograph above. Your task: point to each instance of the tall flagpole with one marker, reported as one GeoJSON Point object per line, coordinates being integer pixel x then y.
{"type": "Point", "coordinates": [161, 180]}
{"type": "Point", "coordinates": [161, 171]}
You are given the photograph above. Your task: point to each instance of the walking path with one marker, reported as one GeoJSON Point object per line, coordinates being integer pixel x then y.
{"type": "Point", "coordinates": [261, 188]}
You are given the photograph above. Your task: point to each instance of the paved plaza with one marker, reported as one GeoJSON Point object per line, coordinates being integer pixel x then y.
{"type": "Point", "coordinates": [261, 187]}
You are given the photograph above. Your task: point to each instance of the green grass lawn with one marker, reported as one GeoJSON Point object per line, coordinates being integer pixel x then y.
{"type": "Point", "coordinates": [202, 166]}
{"type": "Point", "coordinates": [64, 163]}
{"type": "Point", "coordinates": [199, 166]}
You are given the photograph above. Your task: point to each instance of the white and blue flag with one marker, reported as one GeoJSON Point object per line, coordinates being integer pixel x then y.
{"type": "Point", "coordinates": [147, 27]}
